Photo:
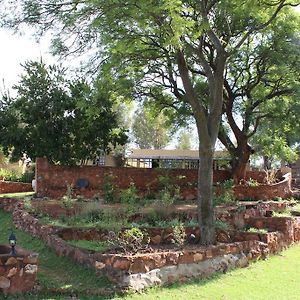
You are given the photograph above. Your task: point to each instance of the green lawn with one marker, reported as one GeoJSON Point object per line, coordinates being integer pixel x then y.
{"type": "Point", "coordinates": [17, 195]}
{"type": "Point", "coordinates": [276, 278]}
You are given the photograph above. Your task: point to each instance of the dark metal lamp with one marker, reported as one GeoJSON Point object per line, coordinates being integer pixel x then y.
{"type": "Point", "coordinates": [12, 242]}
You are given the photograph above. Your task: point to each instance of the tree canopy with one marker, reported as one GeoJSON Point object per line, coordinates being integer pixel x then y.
{"type": "Point", "coordinates": [67, 121]}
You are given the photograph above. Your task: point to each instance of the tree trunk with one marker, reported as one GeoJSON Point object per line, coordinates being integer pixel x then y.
{"type": "Point", "coordinates": [239, 169]}
{"type": "Point", "coordinates": [204, 199]}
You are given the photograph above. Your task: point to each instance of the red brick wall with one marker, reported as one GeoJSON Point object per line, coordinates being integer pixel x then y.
{"type": "Point", "coordinates": [14, 187]}
{"type": "Point", "coordinates": [52, 180]}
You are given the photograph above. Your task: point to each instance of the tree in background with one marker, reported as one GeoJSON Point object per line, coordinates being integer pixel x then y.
{"type": "Point", "coordinates": [184, 140]}
{"type": "Point", "coordinates": [261, 87]}
{"type": "Point", "coordinates": [168, 44]}
{"type": "Point", "coordinates": [150, 130]}
{"type": "Point", "coordinates": [67, 121]}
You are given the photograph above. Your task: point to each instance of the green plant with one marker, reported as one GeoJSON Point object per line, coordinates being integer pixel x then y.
{"type": "Point", "coordinates": [109, 189]}
{"type": "Point", "coordinates": [67, 201]}
{"type": "Point", "coordinates": [129, 195]}
{"type": "Point", "coordinates": [128, 241]}
{"type": "Point", "coordinates": [252, 182]}
{"type": "Point", "coordinates": [179, 235]}
{"type": "Point", "coordinates": [224, 193]}
{"type": "Point", "coordinates": [166, 198]}
{"type": "Point", "coordinates": [169, 188]}
{"type": "Point", "coordinates": [220, 225]}
{"type": "Point", "coordinates": [257, 230]}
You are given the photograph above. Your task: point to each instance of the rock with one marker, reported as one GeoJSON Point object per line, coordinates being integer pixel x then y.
{"type": "Point", "coordinates": [11, 261]}
{"type": "Point", "coordinates": [198, 257]}
{"type": "Point", "coordinates": [122, 264]}
{"type": "Point", "coordinates": [12, 272]}
{"type": "Point", "coordinates": [4, 283]}
{"type": "Point", "coordinates": [156, 240]}
{"type": "Point", "coordinates": [99, 265]}
{"type": "Point", "coordinates": [138, 267]}
{"type": "Point", "coordinates": [31, 259]}
{"type": "Point", "coordinates": [30, 269]}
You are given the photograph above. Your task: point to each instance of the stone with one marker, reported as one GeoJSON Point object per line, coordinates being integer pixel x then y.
{"type": "Point", "coordinates": [30, 269]}
{"type": "Point", "coordinates": [99, 265]}
{"type": "Point", "coordinates": [21, 272]}
{"type": "Point", "coordinates": [156, 240]}
{"type": "Point", "coordinates": [11, 261]}
{"type": "Point", "coordinates": [12, 272]}
{"type": "Point", "coordinates": [122, 264]}
{"type": "Point", "coordinates": [31, 259]}
{"type": "Point", "coordinates": [198, 257]}
{"type": "Point", "coordinates": [138, 267]}
{"type": "Point", "coordinates": [4, 282]}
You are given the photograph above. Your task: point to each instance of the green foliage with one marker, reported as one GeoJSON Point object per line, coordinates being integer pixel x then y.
{"type": "Point", "coordinates": [12, 175]}
{"type": "Point", "coordinates": [220, 225]}
{"type": "Point", "coordinates": [97, 246]}
{"type": "Point", "coordinates": [150, 129]}
{"type": "Point", "coordinates": [179, 235]}
{"type": "Point", "coordinates": [257, 230]}
{"type": "Point", "coordinates": [169, 190]}
{"type": "Point", "coordinates": [129, 196]}
{"type": "Point", "coordinates": [224, 194]}
{"type": "Point", "coordinates": [67, 200]}
{"type": "Point", "coordinates": [53, 116]}
{"type": "Point", "coordinates": [109, 189]}
{"type": "Point", "coordinates": [130, 240]}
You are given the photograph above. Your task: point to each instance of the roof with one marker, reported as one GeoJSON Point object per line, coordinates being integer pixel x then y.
{"type": "Point", "coordinates": [172, 154]}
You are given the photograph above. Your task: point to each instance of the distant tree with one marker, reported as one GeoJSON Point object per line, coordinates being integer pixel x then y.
{"type": "Point", "coordinates": [67, 121]}
{"type": "Point", "coordinates": [184, 140]}
{"type": "Point", "coordinates": [150, 130]}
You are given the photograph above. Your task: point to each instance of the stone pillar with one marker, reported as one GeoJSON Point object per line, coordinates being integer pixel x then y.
{"type": "Point", "coordinates": [41, 174]}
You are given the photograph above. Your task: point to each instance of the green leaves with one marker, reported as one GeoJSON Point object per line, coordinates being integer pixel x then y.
{"type": "Point", "coordinates": [67, 121]}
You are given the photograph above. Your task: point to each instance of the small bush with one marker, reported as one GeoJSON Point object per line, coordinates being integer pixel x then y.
{"type": "Point", "coordinates": [109, 189]}
{"type": "Point", "coordinates": [179, 235]}
{"type": "Point", "coordinates": [130, 240]}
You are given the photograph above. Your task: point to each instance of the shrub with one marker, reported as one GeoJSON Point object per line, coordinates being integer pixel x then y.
{"type": "Point", "coordinates": [179, 235]}
{"type": "Point", "coordinates": [129, 196]}
{"type": "Point", "coordinates": [224, 193]}
{"type": "Point", "coordinates": [130, 240]}
{"type": "Point", "coordinates": [109, 189]}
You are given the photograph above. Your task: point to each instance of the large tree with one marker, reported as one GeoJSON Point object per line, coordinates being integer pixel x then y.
{"type": "Point", "coordinates": [161, 43]}
{"type": "Point", "coordinates": [262, 84]}
{"type": "Point", "coordinates": [67, 121]}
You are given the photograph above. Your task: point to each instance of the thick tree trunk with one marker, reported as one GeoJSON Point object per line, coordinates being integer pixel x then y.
{"type": "Point", "coordinates": [239, 169]}
{"type": "Point", "coordinates": [205, 207]}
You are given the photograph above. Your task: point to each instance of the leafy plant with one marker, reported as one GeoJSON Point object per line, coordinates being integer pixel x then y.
{"type": "Point", "coordinates": [109, 189]}
{"type": "Point", "coordinates": [130, 240]}
{"type": "Point", "coordinates": [220, 225]}
{"type": "Point", "coordinates": [179, 235]}
{"type": "Point", "coordinates": [224, 193]}
{"type": "Point", "coordinates": [67, 199]}
{"type": "Point", "coordinates": [257, 230]}
{"type": "Point", "coordinates": [129, 196]}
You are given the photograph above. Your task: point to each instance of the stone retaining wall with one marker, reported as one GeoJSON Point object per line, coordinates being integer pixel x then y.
{"type": "Point", "coordinates": [142, 270]}
{"type": "Point", "coordinates": [14, 187]}
{"type": "Point", "coordinates": [17, 273]}
{"type": "Point", "coordinates": [281, 189]}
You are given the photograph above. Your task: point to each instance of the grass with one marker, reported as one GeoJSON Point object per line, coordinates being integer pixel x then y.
{"type": "Point", "coordinates": [276, 278]}
{"type": "Point", "coordinates": [54, 272]}
{"type": "Point", "coordinates": [17, 195]}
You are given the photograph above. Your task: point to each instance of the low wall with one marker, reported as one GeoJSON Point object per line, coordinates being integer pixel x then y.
{"type": "Point", "coordinates": [281, 189]}
{"type": "Point", "coordinates": [17, 273]}
{"type": "Point", "coordinates": [142, 270]}
{"type": "Point", "coordinates": [52, 181]}
{"type": "Point", "coordinates": [14, 187]}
